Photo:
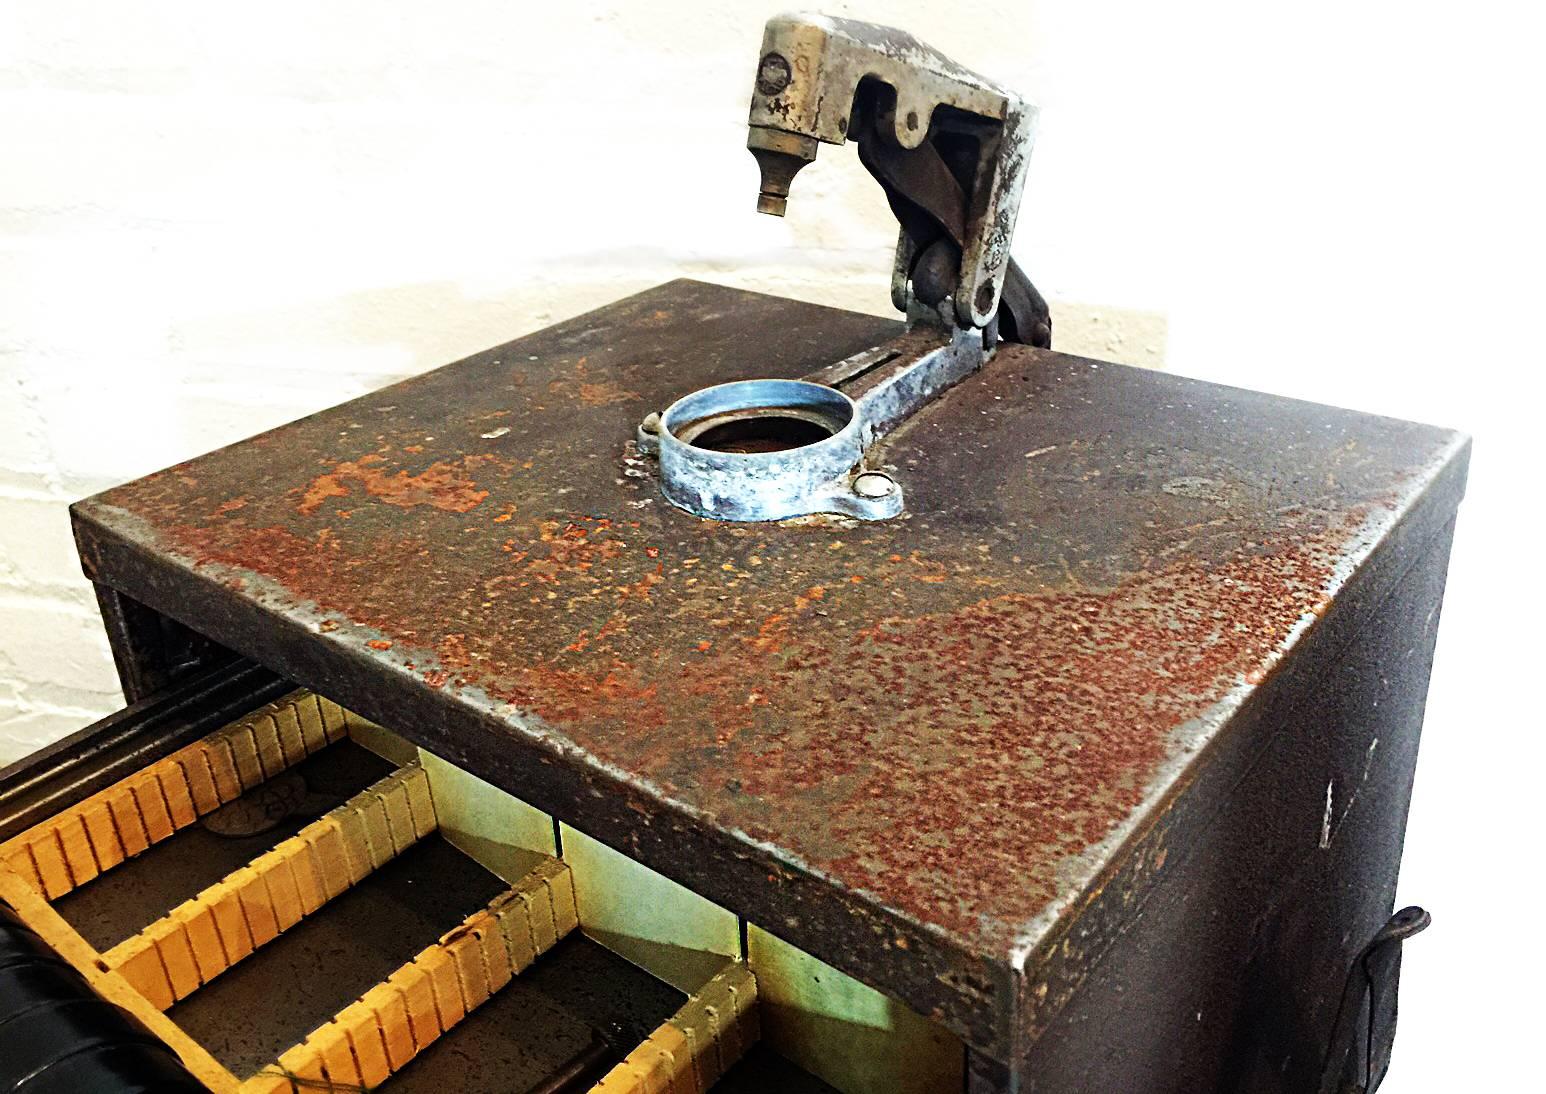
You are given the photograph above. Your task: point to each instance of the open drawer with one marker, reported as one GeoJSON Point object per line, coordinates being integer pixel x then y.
{"type": "Point", "coordinates": [302, 900]}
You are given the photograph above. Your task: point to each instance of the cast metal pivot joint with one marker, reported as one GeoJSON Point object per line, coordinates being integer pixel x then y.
{"type": "Point", "coordinates": [949, 149]}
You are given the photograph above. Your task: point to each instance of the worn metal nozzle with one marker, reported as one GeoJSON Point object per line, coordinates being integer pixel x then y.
{"type": "Point", "coordinates": [780, 155]}
{"type": "Point", "coordinates": [772, 204]}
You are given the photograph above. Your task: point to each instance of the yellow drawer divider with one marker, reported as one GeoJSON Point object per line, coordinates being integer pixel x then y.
{"type": "Point", "coordinates": [38, 914]}
{"type": "Point", "coordinates": [379, 1033]}
{"type": "Point", "coordinates": [90, 838]}
{"type": "Point", "coordinates": [202, 937]}
{"type": "Point", "coordinates": [693, 1048]}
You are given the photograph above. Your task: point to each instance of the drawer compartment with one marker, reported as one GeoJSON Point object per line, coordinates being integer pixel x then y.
{"type": "Point", "coordinates": [302, 900]}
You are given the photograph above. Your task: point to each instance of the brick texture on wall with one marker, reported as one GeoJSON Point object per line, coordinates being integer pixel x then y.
{"type": "Point", "coordinates": [214, 220]}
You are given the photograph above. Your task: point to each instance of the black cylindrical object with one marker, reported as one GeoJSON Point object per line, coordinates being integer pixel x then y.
{"type": "Point", "coordinates": [58, 1036]}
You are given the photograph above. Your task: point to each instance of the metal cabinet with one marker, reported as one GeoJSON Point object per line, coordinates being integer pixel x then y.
{"type": "Point", "coordinates": [1089, 771]}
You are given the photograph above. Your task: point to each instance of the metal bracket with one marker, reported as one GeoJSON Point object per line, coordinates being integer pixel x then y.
{"type": "Point", "coordinates": [759, 450]}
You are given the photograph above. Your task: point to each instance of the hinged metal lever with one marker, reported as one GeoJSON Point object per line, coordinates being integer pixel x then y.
{"type": "Point", "coordinates": [929, 202]}
{"type": "Point", "coordinates": [949, 148]}
{"type": "Point", "coordinates": [1364, 1032]}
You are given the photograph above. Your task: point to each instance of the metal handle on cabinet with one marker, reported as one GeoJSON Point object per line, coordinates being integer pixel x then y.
{"type": "Point", "coordinates": [1365, 1029]}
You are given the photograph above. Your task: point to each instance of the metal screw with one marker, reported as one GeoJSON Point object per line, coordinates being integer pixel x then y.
{"type": "Point", "coordinates": [651, 424]}
{"type": "Point", "coordinates": [872, 484]}
{"type": "Point", "coordinates": [773, 73]}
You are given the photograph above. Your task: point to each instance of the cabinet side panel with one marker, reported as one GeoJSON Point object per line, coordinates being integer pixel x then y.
{"type": "Point", "coordinates": [1229, 978]}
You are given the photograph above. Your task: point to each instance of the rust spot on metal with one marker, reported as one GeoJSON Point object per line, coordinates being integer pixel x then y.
{"type": "Point", "coordinates": [591, 390]}
{"type": "Point", "coordinates": [943, 750]}
{"type": "Point", "coordinates": [603, 394]}
{"type": "Point", "coordinates": [444, 484]}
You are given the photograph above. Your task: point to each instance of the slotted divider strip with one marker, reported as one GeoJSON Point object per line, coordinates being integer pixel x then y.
{"type": "Point", "coordinates": [37, 913]}
{"type": "Point", "coordinates": [123, 820]}
{"type": "Point", "coordinates": [382, 1031]}
{"type": "Point", "coordinates": [203, 937]}
{"type": "Point", "coordinates": [691, 1051]}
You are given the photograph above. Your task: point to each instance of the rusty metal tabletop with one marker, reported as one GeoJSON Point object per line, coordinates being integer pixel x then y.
{"type": "Point", "coordinates": [916, 748]}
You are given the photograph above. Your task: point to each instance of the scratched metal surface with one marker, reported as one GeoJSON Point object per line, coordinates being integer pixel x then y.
{"type": "Point", "coordinates": [944, 726]}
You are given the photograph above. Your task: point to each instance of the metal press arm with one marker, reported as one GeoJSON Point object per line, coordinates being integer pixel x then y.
{"type": "Point", "coordinates": [948, 146]}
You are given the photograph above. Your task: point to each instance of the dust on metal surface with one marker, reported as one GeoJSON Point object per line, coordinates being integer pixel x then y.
{"type": "Point", "coordinates": [946, 713]}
